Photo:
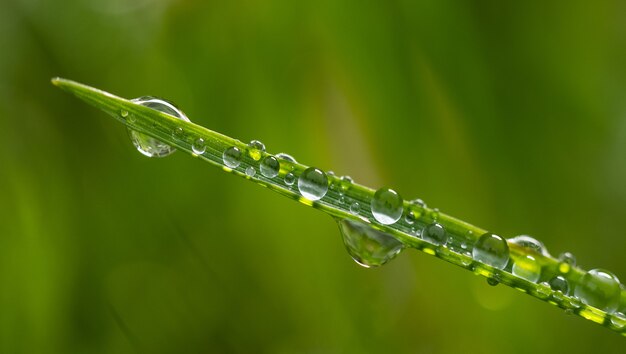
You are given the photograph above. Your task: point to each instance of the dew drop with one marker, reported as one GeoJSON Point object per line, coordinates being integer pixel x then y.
{"type": "Point", "coordinates": [256, 149]}
{"type": "Point", "coordinates": [492, 250]}
{"type": "Point", "coordinates": [527, 267]}
{"type": "Point", "coordinates": [178, 133]}
{"type": "Point", "coordinates": [409, 218]}
{"type": "Point", "coordinates": [367, 246]}
{"type": "Point", "coordinates": [124, 113]}
{"type": "Point", "coordinates": [355, 208]}
{"type": "Point", "coordinates": [419, 203]}
{"type": "Point", "coordinates": [544, 290]}
{"type": "Point", "coordinates": [286, 157]}
{"type": "Point", "coordinates": [559, 283]}
{"type": "Point", "coordinates": [494, 280]}
{"type": "Point", "coordinates": [386, 206]}
{"type": "Point", "coordinates": [147, 145]}
{"type": "Point", "coordinates": [313, 183]}
{"type": "Point", "coordinates": [232, 157]}
{"type": "Point", "coordinates": [434, 214]}
{"type": "Point", "coordinates": [530, 243]}
{"type": "Point", "coordinates": [198, 146]}
{"type": "Point", "coordinates": [290, 179]}
{"type": "Point", "coordinates": [599, 288]}
{"type": "Point", "coordinates": [435, 234]}
{"type": "Point", "coordinates": [344, 184]}
{"type": "Point", "coordinates": [618, 320]}
{"type": "Point", "coordinates": [568, 261]}
{"type": "Point", "coordinates": [269, 167]}
{"type": "Point", "coordinates": [250, 171]}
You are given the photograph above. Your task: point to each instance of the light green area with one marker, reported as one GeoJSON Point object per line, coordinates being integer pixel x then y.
{"type": "Point", "coordinates": [511, 116]}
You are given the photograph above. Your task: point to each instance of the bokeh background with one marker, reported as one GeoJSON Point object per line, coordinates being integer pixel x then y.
{"type": "Point", "coordinates": [511, 116]}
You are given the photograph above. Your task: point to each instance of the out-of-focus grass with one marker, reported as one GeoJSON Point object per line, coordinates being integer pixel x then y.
{"type": "Point", "coordinates": [516, 116]}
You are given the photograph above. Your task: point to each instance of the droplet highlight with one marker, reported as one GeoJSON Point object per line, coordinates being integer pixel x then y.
{"type": "Point", "coordinates": [387, 206]}
{"type": "Point", "coordinates": [367, 246]}
{"type": "Point", "coordinates": [313, 183]}
{"type": "Point", "coordinates": [492, 250]}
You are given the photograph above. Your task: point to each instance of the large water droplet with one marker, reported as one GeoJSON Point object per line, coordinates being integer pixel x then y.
{"type": "Point", "coordinates": [435, 234]}
{"type": "Point", "coordinates": [270, 167]}
{"type": "Point", "coordinates": [387, 206]}
{"type": "Point", "coordinates": [198, 146]}
{"type": "Point", "coordinates": [313, 183]}
{"type": "Point", "coordinates": [527, 267]}
{"type": "Point", "coordinates": [256, 149]}
{"type": "Point", "coordinates": [368, 246]}
{"type": "Point", "coordinates": [492, 250]}
{"type": "Point", "coordinates": [146, 144]}
{"type": "Point", "coordinates": [559, 283]}
{"type": "Point", "coordinates": [530, 243]}
{"type": "Point", "coordinates": [599, 288]}
{"type": "Point", "coordinates": [232, 157]}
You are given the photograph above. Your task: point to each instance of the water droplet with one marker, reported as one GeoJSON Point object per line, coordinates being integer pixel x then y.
{"type": "Point", "coordinates": [232, 157]}
{"type": "Point", "coordinates": [419, 203]}
{"type": "Point", "coordinates": [313, 183]}
{"type": "Point", "coordinates": [146, 144]}
{"type": "Point", "coordinates": [494, 280]}
{"type": "Point", "coordinates": [492, 250]}
{"type": "Point", "coordinates": [435, 234]}
{"type": "Point", "coordinates": [368, 246]}
{"type": "Point", "coordinates": [567, 262]}
{"type": "Point", "coordinates": [198, 146]}
{"type": "Point", "coordinates": [434, 214]}
{"type": "Point", "coordinates": [409, 218]}
{"type": "Point", "coordinates": [250, 171]}
{"type": "Point", "coordinates": [286, 157]}
{"type": "Point", "coordinates": [560, 284]}
{"type": "Point", "coordinates": [355, 208]}
{"type": "Point", "coordinates": [529, 243]}
{"type": "Point", "coordinates": [543, 290]}
{"type": "Point", "coordinates": [256, 149]}
{"type": "Point", "coordinates": [618, 320]}
{"type": "Point", "coordinates": [290, 179]}
{"type": "Point", "coordinates": [599, 288]}
{"type": "Point", "coordinates": [527, 267]}
{"type": "Point", "coordinates": [178, 133]}
{"type": "Point", "coordinates": [345, 183]}
{"type": "Point", "coordinates": [124, 113]}
{"type": "Point", "coordinates": [387, 206]}
{"type": "Point", "coordinates": [270, 167]}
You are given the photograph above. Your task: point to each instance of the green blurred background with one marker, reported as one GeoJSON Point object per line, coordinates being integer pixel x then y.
{"type": "Point", "coordinates": [510, 116]}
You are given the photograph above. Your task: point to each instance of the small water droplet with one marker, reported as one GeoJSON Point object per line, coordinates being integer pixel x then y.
{"type": "Point", "coordinates": [387, 206]}
{"type": "Point", "coordinates": [313, 183]}
{"type": "Point", "coordinates": [435, 233]}
{"type": "Point", "coordinates": [286, 157]}
{"type": "Point", "coordinates": [559, 283]}
{"type": "Point", "coordinates": [145, 144]}
{"type": "Point", "coordinates": [530, 243]}
{"type": "Point", "coordinates": [567, 262]}
{"type": "Point", "coordinates": [434, 214]}
{"type": "Point", "coordinates": [290, 179]}
{"type": "Point", "coordinates": [198, 146]}
{"type": "Point", "coordinates": [493, 280]}
{"type": "Point", "coordinates": [355, 208]}
{"type": "Point", "coordinates": [367, 246]}
{"type": "Point", "coordinates": [492, 250]}
{"type": "Point", "coordinates": [527, 267]}
{"type": "Point", "coordinates": [178, 133]}
{"type": "Point", "coordinates": [256, 149]}
{"type": "Point", "coordinates": [250, 171]}
{"type": "Point", "coordinates": [419, 203]}
{"type": "Point", "coordinates": [270, 167]}
{"type": "Point", "coordinates": [409, 218]}
{"type": "Point", "coordinates": [618, 320]}
{"type": "Point", "coordinates": [345, 183]}
{"type": "Point", "coordinates": [124, 113]}
{"type": "Point", "coordinates": [599, 288]}
{"type": "Point", "coordinates": [543, 290]}
{"type": "Point", "coordinates": [232, 157]}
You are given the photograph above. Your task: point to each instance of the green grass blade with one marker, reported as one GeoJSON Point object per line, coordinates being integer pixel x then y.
{"type": "Point", "coordinates": [182, 134]}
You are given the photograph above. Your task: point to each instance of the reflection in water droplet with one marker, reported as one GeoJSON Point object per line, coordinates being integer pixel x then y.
{"type": "Point", "coordinates": [355, 208]}
{"type": "Point", "coordinates": [492, 250]}
{"type": "Point", "coordinates": [559, 283]}
{"type": "Point", "coordinates": [599, 288]}
{"type": "Point", "coordinates": [313, 183]}
{"type": "Point", "coordinates": [529, 243]}
{"type": "Point", "coordinates": [145, 144]}
{"type": "Point", "coordinates": [198, 146]}
{"type": "Point", "coordinates": [286, 157]}
{"type": "Point", "coordinates": [256, 149]}
{"type": "Point", "coordinates": [527, 267]}
{"type": "Point", "coordinates": [435, 234]}
{"type": "Point", "coordinates": [386, 206]}
{"type": "Point", "coordinates": [250, 171]}
{"type": "Point", "coordinates": [368, 246]}
{"type": "Point", "coordinates": [232, 157]}
{"type": "Point", "coordinates": [290, 179]}
{"type": "Point", "coordinates": [270, 167]}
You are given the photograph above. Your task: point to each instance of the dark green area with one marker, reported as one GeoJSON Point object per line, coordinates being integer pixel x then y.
{"type": "Point", "coordinates": [512, 118]}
